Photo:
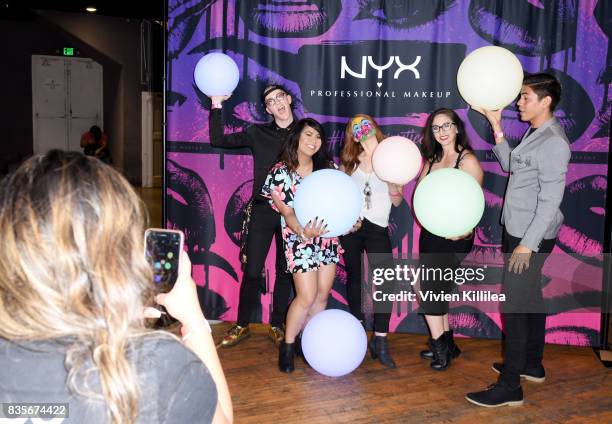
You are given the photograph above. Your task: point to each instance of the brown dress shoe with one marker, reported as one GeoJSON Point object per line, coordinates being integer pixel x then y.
{"type": "Point", "coordinates": [277, 335]}
{"type": "Point", "coordinates": [234, 335]}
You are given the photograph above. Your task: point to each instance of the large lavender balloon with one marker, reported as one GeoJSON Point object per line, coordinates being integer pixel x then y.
{"type": "Point", "coordinates": [334, 342]}
{"type": "Point", "coordinates": [331, 195]}
{"type": "Point", "coordinates": [216, 74]}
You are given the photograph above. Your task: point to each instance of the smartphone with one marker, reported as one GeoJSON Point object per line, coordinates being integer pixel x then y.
{"type": "Point", "coordinates": [163, 250]}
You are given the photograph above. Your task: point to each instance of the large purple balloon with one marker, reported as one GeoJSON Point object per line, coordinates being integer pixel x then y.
{"type": "Point", "coordinates": [334, 342]}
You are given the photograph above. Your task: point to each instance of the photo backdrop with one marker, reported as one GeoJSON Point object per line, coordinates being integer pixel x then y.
{"type": "Point", "coordinates": [396, 60]}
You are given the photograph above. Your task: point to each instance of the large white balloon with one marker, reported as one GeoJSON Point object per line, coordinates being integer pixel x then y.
{"type": "Point", "coordinates": [397, 160]}
{"type": "Point", "coordinates": [490, 77]}
{"type": "Point", "coordinates": [216, 74]}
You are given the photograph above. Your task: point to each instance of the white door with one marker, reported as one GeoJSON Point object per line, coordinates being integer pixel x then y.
{"type": "Point", "coordinates": [85, 101]}
{"type": "Point", "coordinates": [49, 103]}
{"type": "Point", "coordinates": [66, 101]}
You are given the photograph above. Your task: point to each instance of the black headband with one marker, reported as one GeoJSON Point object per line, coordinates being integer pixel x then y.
{"type": "Point", "coordinates": [271, 89]}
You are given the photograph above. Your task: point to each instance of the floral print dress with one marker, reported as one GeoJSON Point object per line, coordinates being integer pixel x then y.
{"type": "Point", "coordinates": [302, 256]}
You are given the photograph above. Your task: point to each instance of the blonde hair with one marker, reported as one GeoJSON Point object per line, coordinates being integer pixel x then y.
{"type": "Point", "coordinates": [72, 267]}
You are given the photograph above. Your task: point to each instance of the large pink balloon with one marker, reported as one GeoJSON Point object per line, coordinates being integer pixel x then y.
{"type": "Point", "coordinates": [397, 160]}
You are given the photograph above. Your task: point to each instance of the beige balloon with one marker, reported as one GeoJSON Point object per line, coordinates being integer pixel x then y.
{"type": "Point", "coordinates": [490, 77]}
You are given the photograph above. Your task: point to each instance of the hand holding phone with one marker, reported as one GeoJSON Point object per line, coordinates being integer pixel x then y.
{"type": "Point", "coordinates": [163, 250]}
{"type": "Point", "coordinates": [182, 301]}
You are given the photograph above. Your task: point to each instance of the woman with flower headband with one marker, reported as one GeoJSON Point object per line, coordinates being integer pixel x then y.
{"type": "Point", "coordinates": [361, 137]}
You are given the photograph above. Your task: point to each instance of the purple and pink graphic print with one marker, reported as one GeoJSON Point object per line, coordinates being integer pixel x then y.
{"type": "Point", "coordinates": [315, 48]}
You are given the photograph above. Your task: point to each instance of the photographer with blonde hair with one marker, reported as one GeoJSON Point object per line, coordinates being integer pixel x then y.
{"type": "Point", "coordinates": [74, 285]}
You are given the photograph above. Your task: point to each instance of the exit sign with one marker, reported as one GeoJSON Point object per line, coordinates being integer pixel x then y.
{"type": "Point", "coordinates": [68, 51]}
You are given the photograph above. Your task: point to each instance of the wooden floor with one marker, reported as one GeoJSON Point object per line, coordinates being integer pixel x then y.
{"type": "Point", "coordinates": [578, 389]}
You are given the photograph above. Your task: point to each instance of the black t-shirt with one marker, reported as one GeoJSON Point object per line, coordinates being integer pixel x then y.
{"type": "Point", "coordinates": [175, 386]}
{"type": "Point", "coordinates": [530, 131]}
{"type": "Point", "coordinates": [264, 140]}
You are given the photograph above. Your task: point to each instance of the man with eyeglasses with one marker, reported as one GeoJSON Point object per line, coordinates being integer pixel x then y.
{"type": "Point", "coordinates": [265, 142]}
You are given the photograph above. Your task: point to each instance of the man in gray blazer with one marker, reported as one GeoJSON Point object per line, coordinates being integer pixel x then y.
{"type": "Point", "coordinates": [531, 220]}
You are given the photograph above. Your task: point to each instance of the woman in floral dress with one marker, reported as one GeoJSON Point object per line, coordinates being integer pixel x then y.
{"type": "Point", "coordinates": [311, 259]}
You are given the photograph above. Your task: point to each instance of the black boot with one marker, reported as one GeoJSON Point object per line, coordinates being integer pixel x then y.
{"type": "Point", "coordinates": [379, 348]}
{"type": "Point", "coordinates": [442, 356]}
{"type": "Point", "coordinates": [452, 347]}
{"type": "Point", "coordinates": [285, 357]}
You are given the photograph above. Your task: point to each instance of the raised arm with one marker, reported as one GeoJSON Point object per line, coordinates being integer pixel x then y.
{"type": "Point", "coordinates": [501, 149]}
{"type": "Point", "coordinates": [217, 136]}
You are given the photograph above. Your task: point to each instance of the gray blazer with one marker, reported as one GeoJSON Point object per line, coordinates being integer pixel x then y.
{"type": "Point", "coordinates": [537, 167]}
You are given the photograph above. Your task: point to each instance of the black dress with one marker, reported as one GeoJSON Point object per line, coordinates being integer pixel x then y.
{"type": "Point", "coordinates": [440, 253]}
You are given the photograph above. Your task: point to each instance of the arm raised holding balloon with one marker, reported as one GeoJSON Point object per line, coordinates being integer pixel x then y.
{"type": "Point", "coordinates": [501, 149]}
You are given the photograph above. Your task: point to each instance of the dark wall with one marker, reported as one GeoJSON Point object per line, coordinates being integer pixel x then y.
{"type": "Point", "coordinates": [112, 42]}
{"type": "Point", "coordinates": [22, 39]}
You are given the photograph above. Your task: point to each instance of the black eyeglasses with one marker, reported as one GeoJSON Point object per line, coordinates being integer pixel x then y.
{"type": "Point", "coordinates": [445, 126]}
{"type": "Point", "coordinates": [273, 100]}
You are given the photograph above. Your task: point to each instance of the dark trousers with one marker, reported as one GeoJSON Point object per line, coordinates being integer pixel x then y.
{"type": "Point", "coordinates": [438, 253]}
{"type": "Point", "coordinates": [373, 239]}
{"type": "Point", "coordinates": [265, 224]}
{"type": "Point", "coordinates": [524, 317]}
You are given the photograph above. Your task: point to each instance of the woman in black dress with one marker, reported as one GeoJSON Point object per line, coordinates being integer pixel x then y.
{"type": "Point", "coordinates": [445, 145]}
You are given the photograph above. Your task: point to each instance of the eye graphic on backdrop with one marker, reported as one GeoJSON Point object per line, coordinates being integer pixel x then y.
{"type": "Point", "coordinates": [402, 14]}
{"type": "Point", "coordinates": [183, 19]}
{"type": "Point", "coordinates": [573, 335]}
{"type": "Point", "coordinates": [194, 215]}
{"type": "Point", "coordinates": [573, 120]}
{"type": "Point", "coordinates": [296, 19]}
{"type": "Point", "coordinates": [465, 320]}
{"type": "Point", "coordinates": [234, 211]}
{"type": "Point", "coordinates": [525, 28]}
{"type": "Point", "coordinates": [584, 208]}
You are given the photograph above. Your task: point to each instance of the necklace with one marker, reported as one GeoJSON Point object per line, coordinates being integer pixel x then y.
{"type": "Point", "coordinates": [367, 192]}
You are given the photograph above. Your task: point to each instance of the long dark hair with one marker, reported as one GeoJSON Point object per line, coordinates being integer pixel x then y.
{"type": "Point", "coordinates": [432, 150]}
{"type": "Point", "coordinates": [320, 160]}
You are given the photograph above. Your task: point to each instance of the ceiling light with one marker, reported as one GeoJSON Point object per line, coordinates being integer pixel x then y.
{"type": "Point", "coordinates": [91, 9]}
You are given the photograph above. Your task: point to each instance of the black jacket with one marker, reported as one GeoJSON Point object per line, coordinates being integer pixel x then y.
{"type": "Point", "coordinates": [264, 140]}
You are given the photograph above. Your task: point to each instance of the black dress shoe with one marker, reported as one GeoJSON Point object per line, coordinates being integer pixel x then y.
{"type": "Point", "coordinates": [454, 349]}
{"type": "Point", "coordinates": [286, 355]}
{"type": "Point", "coordinates": [497, 395]}
{"type": "Point", "coordinates": [379, 348]}
{"type": "Point", "coordinates": [535, 375]}
{"type": "Point", "coordinates": [442, 356]}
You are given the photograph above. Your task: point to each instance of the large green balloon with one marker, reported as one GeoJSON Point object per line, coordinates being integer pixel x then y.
{"type": "Point", "coordinates": [449, 202]}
